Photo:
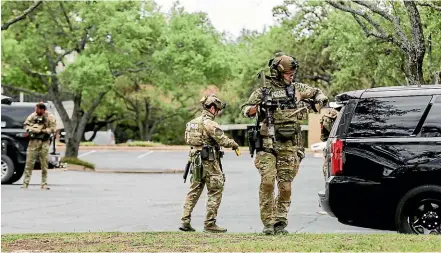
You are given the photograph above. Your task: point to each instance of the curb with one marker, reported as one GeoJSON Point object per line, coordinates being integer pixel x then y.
{"type": "Point", "coordinates": [168, 171]}
{"type": "Point", "coordinates": [84, 169]}
{"type": "Point", "coordinates": [243, 150]}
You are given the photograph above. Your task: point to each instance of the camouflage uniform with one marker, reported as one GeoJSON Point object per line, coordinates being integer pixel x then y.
{"type": "Point", "coordinates": [326, 123]}
{"type": "Point", "coordinates": [39, 129]}
{"type": "Point", "coordinates": [280, 160]}
{"type": "Point", "coordinates": [200, 132]}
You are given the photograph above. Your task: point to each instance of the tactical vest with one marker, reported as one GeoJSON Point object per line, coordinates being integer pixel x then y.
{"type": "Point", "coordinates": [39, 122]}
{"type": "Point", "coordinates": [286, 115]}
{"type": "Point", "coordinates": [194, 133]}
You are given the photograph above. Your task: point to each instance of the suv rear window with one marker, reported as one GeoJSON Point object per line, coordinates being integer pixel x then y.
{"type": "Point", "coordinates": [387, 117]}
{"type": "Point", "coordinates": [15, 114]}
{"type": "Point", "coordinates": [432, 124]}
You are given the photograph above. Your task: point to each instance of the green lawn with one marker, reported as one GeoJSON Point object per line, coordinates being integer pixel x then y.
{"type": "Point", "coordinates": [180, 241]}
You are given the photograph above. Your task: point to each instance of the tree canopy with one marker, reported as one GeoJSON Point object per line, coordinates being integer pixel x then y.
{"type": "Point", "coordinates": [139, 71]}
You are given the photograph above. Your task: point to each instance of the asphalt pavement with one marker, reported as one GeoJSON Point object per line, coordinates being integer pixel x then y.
{"type": "Point", "coordinates": [88, 201]}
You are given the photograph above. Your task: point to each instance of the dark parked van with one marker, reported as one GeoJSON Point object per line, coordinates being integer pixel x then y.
{"type": "Point", "coordinates": [384, 159]}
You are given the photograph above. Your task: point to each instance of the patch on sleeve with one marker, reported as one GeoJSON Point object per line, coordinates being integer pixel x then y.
{"type": "Point", "coordinates": [218, 131]}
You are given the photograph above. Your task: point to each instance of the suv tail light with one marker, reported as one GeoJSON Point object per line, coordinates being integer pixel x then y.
{"type": "Point", "coordinates": [336, 157]}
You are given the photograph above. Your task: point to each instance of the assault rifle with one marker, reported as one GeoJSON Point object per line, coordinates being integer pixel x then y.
{"type": "Point", "coordinates": [267, 107]}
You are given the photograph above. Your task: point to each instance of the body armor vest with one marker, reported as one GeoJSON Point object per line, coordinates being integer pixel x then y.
{"type": "Point", "coordinates": [194, 133]}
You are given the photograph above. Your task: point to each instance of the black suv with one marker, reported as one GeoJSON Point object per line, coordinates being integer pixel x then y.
{"type": "Point", "coordinates": [383, 159]}
{"type": "Point", "coordinates": [15, 142]}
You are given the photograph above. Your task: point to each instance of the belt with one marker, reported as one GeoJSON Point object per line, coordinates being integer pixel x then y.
{"type": "Point", "coordinates": [267, 150]}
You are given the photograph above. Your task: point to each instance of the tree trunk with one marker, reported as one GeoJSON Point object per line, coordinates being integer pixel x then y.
{"type": "Point", "coordinates": [72, 147]}
{"type": "Point", "coordinates": [415, 66]}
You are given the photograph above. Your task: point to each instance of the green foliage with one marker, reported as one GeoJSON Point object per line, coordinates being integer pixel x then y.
{"type": "Point", "coordinates": [143, 144]}
{"type": "Point", "coordinates": [154, 68]}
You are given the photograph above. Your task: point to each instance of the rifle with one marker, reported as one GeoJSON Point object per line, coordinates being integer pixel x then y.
{"type": "Point", "coordinates": [268, 106]}
{"type": "Point", "coordinates": [187, 168]}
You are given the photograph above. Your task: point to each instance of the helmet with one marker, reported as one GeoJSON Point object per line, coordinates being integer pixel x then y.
{"type": "Point", "coordinates": [283, 63]}
{"type": "Point", "coordinates": [212, 99]}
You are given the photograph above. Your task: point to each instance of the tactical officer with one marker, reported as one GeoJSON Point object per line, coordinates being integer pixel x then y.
{"type": "Point", "coordinates": [326, 123]}
{"type": "Point", "coordinates": [39, 125]}
{"type": "Point", "coordinates": [281, 151]}
{"type": "Point", "coordinates": [206, 138]}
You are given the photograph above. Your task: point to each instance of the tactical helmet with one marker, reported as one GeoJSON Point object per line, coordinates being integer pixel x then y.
{"type": "Point", "coordinates": [212, 99]}
{"type": "Point", "coordinates": [283, 63]}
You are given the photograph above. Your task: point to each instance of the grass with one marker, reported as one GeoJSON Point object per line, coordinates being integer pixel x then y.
{"type": "Point", "coordinates": [77, 161]}
{"type": "Point", "coordinates": [88, 143]}
{"type": "Point", "coordinates": [141, 144]}
{"type": "Point", "coordinates": [229, 242]}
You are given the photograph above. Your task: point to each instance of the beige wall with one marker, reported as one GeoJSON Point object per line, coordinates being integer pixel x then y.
{"type": "Point", "coordinates": [314, 127]}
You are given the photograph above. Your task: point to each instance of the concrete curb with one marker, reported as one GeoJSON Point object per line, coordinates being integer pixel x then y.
{"type": "Point", "coordinates": [243, 150]}
{"type": "Point", "coordinates": [167, 171]}
{"type": "Point", "coordinates": [72, 167]}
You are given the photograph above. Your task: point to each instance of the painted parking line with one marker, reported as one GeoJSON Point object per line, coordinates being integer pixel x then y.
{"type": "Point", "coordinates": [87, 153]}
{"type": "Point", "coordinates": [145, 154]}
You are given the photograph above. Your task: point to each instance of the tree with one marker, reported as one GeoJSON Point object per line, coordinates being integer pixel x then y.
{"type": "Point", "coordinates": [21, 16]}
{"type": "Point", "coordinates": [79, 48]}
{"type": "Point", "coordinates": [384, 22]}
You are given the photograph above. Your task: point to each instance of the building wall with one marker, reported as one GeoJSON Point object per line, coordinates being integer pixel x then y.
{"type": "Point", "coordinates": [314, 127]}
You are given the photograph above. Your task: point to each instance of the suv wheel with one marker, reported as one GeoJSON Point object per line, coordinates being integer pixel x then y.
{"type": "Point", "coordinates": [7, 167]}
{"type": "Point", "coordinates": [419, 211]}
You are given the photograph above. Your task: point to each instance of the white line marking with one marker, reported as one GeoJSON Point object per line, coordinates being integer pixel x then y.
{"type": "Point", "coordinates": [87, 153]}
{"type": "Point", "coordinates": [145, 154]}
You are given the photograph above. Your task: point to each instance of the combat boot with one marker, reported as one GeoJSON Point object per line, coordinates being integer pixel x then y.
{"type": "Point", "coordinates": [268, 230]}
{"type": "Point", "coordinates": [279, 228]}
{"type": "Point", "coordinates": [45, 187]}
{"type": "Point", "coordinates": [186, 227]}
{"type": "Point", "coordinates": [214, 229]}
{"type": "Point", "coordinates": [24, 186]}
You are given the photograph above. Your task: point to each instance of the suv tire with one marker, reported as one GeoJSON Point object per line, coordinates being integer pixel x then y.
{"type": "Point", "coordinates": [426, 196]}
{"type": "Point", "coordinates": [7, 167]}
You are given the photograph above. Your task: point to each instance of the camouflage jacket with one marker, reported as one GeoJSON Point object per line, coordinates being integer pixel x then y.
{"type": "Point", "coordinates": [286, 116]}
{"type": "Point", "coordinates": [203, 130]}
{"type": "Point", "coordinates": [43, 124]}
{"type": "Point", "coordinates": [326, 123]}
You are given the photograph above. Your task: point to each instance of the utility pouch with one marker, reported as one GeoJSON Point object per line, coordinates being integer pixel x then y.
{"type": "Point", "coordinates": [211, 154]}
{"type": "Point", "coordinates": [197, 168]}
{"type": "Point", "coordinates": [285, 134]}
{"type": "Point", "coordinates": [205, 153]}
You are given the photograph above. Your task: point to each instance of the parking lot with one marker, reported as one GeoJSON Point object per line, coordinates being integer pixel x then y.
{"type": "Point", "coordinates": [88, 201]}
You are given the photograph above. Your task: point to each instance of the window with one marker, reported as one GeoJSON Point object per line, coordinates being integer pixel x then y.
{"type": "Point", "coordinates": [387, 117]}
{"type": "Point", "coordinates": [15, 116]}
{"type": "Point", "coordinates": [432, 124]}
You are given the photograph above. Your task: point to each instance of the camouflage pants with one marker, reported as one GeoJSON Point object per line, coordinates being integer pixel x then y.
{"type": "Point", "coordinates": [214, 179]}
{"type": "Point", "coordinates": [283, 167]}
{"type": "Point", "coordinates": [35, 148]}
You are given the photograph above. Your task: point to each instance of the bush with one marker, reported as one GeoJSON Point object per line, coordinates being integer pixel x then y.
{"type": "Point", "coordinates": [88, 143]}
{"type": "Point", "coordinates": [142, 144]}
{"type": "Point", "coordinates": [77, 161]}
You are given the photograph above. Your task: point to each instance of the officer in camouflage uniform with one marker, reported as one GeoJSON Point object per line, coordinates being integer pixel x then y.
{"type": "Point", "coordinates": [205, 138]}
{"type": "Point", "coordinates": [326, 123]}
{"type": "Point", "coordinates": [279, 160]}
{"type": "Point", "coordinates": [39, 125]}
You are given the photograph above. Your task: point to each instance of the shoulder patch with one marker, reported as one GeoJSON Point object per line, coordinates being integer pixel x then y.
{"type": "Point", "coordinates": [218, 131]}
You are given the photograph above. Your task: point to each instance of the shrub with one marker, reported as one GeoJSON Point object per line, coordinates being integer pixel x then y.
{"type": "Point", "coordinates": [88, 143]}
{"type": "Point", "coordinates": [77, 161]}
{"type": "Point", "coordinates": [142, 144]}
